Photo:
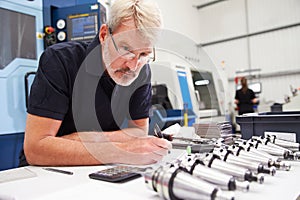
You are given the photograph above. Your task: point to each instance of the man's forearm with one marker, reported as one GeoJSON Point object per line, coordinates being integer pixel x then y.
{"type": "Point", "coordinates": [61, 151]}
{"type": "Point", "coordinates": [113, 136]}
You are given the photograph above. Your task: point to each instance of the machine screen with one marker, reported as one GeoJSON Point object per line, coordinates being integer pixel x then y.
{"type": "Point", "coordinates": [82, 27]}
{"type": "Point", "coordinates": [256, 87]}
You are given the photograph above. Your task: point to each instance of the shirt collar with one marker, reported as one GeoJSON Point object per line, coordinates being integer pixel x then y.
{"type": "Point", "coordinates": [93, 60]}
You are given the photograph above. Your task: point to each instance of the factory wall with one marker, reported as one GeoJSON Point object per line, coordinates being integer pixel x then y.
{"type": "Point", "coordinates": [262, 34]}
{"type": "Point", "coordinates": [179, 16]}
{"type": "Point", "coordinates": [275, 53]}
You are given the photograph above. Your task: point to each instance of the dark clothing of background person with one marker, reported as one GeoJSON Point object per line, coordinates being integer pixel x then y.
{"type": "Point", "coordinates": [245, 98]}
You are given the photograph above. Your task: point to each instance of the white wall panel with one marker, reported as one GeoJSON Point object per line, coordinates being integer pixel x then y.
{"type": "Point", "coordinates": [233, 53]}
{"type": "Point", "coordinates": [276, 51]}
{"type": "Point", "coordinates": [180, 16]}
{"type": "Point", "coordinates": [266, 14]}
{"type": "Point", "coordinates": [222, 20]}
{"type": "Point", "coordinates": [274, 89]}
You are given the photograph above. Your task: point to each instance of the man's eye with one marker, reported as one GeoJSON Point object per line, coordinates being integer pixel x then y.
{"type": "Point", "coordinates": [125, 48]}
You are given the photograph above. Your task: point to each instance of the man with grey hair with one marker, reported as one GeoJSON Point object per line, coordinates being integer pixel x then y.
{"type": "Point", "coordinates": [83, 95]}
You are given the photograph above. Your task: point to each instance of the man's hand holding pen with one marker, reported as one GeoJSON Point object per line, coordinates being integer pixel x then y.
{"type": "Point", "coordinates": [159, 134]}
{"type": "Point", "coordinates": [143, 150]}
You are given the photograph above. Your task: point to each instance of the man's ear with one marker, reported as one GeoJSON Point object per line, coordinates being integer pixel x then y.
{"type": "Point", "coordinates": [103, 33]}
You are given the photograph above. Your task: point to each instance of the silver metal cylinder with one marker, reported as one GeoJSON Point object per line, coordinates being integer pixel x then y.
{"type": "Point", "coordinates": [224, 181]}
{"type": "Point", "coordinates": [174, 183]}
{"type": "Point", "coordinates": [287, 144]}
{"type": "Point", "coordinates": [273, 160]}
{"type": "Point", "coordinates": [255, 166]}
{"type": "Point", "coordinates": [250, 153]}
{"type": "Point", "coordinates": [240, 173]}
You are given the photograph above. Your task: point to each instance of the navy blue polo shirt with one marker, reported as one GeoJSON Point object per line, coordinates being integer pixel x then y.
{"type": "Point", "coordinates": [72, 85]}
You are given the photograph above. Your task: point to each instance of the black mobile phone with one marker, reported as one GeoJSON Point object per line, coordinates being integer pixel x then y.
{"type": "Point", "coordinates": [117, 174]}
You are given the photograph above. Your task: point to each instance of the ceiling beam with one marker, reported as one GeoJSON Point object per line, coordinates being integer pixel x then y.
{"type": "Point", "coordinates": [208, 4]}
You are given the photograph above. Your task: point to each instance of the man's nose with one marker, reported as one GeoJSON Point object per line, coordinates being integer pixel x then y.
{"type": "Point", "coordinates": [132, 64]}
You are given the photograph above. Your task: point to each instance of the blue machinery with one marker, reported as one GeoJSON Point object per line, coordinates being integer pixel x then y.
{"type": "Point", "coordinates": [171, 95]}
{"type": "Point", "coordinates": [21, 44]}
{"type": "Point", "coordinates": [19, 50]}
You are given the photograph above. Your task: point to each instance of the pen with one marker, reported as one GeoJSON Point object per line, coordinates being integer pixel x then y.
{"type": "Point", "coordinates": [159, 134]}
{"type": "Point", "coordinates": [58, 171]}
{"type": "Point", "coordinates": [157, 131]}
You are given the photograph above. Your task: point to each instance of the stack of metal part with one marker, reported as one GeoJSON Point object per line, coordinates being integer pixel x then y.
{"type": "Point", "coordinates": [212, 129]}
{"type": "Point", "coordinates": [218, 173]}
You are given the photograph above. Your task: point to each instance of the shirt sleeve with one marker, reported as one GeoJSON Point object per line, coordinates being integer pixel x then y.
{"type": "Point", "coordinates": [140, 102]}
{"type": "Point", "coordinates": [49, 93]}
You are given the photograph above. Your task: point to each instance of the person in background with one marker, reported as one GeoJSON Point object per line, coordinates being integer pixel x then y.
{"type": "Point", "coordinates": [83, 93]}
{"type": "Point", "coordinates": [245, 98]}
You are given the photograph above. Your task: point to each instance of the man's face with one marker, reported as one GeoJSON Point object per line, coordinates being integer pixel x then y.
{"type": "Point", "coordinates": [125, 52]}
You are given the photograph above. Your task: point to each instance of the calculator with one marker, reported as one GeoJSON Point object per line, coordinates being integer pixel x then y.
{"type": "Point", "coordinates": [117, 174]}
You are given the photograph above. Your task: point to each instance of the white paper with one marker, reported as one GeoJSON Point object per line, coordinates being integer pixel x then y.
{"type": "Point", "coordinates": [174, 129]}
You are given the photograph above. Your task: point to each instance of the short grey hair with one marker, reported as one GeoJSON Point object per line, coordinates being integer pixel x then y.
{"type": "Point", "coordinates": [146, 15]}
